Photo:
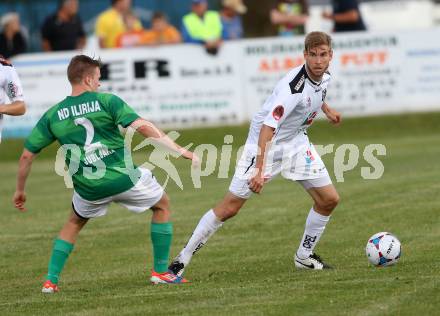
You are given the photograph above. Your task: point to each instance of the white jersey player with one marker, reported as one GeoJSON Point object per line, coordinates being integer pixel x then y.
{"type": "Point", "coordinates": [288, 112]}
{"type": "Point", "coordinates": [10, 90]}
{"type": "Point", "coordinates": [278, 143]}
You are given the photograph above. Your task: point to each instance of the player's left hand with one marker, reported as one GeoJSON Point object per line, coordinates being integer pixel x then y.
{"type": "Point", "coordinates": [334, 116]}
{"type": "Point", "coordinates": [20, 200]}
{"type": "Point", "coordinates": [327, 15]}
{"type": "Point", "coordinates": [195, 160]}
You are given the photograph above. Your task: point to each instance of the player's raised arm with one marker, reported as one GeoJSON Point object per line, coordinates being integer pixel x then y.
{"type": "Point", "coordinates": [125, 116]}
{"type": "Point", "coordinates": [24, 167]}
{"type": "Point", "coordinates": [149, 130]}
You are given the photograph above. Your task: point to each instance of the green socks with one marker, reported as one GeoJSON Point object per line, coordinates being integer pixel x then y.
{"type": "Point", "coordinates": [60, 252]}
{"type": "Point", "coordinates": [161, 236]}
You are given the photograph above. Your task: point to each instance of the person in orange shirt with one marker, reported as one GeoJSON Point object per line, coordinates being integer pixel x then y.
{"type": "Point", "coordinates": [161, 32]}
{"type": "Point", "coordinates": [133, 36]}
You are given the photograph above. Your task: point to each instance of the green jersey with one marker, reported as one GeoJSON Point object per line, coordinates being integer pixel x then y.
{"type": "Point", "coordinates": [88, 127]}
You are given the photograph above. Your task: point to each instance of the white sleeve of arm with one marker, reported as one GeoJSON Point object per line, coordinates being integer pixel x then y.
{"type": "Point", "coordinates": [281, 108]}
{"type": "Point", "coordinates": [13, 87]}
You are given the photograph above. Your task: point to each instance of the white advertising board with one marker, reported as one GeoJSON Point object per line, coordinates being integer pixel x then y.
{"type": "Point", "coordinates": [175, 87]}
{"type": "Point", "coordinates": [182, 86]}
{"type": "Point", "coordinates": [371, 73]}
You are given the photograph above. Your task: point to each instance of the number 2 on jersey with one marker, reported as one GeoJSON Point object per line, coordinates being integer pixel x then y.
{"type": "Point", "coordinates": [90, 134]}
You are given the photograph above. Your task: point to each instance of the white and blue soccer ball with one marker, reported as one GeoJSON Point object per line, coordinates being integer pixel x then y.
{"type": "Point", "coordinates": [383, 249]}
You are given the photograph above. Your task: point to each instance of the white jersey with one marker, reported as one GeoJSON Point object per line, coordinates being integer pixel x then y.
{"type": "Point", "coordinates": [10, 86]}
{"type": "Point", "coordinates": [292, 107]}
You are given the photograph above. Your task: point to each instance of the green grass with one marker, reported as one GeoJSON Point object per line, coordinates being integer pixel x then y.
{"type": "Point", "coordinates": [246, 268]}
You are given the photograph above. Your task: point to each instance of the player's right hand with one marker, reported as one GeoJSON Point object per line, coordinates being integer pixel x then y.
{"type": "Point", "coordinates": [20, 200]}
{"type": "Point", "coordinates": [256, 183]}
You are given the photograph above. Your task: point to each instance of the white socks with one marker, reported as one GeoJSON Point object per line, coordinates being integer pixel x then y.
{"type": "Point", "coordinates": [207, 226]}
{"type": "Point", "coordinates": [315, 225]}
{"type": "Point", "coordinates": [209, 223]}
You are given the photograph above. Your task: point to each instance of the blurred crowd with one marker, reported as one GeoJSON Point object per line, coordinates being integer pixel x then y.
{"type": "Point", "coordinates": [119, 26]}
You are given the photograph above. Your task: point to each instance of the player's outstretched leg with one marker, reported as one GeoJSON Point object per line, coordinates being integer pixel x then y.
{"type": "Point", "coordinates": [161, 237]}
{"type": "Point", "coordinates": [207, 226]}
{"type": "Point", "coordinates": [326, 199]}
{"type": "Point", "coordinates": [62, 247]}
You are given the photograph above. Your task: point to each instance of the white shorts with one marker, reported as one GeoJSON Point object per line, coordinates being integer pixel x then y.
{"type": "Point", "coordinates": [304, 165]}
{"type": "Point", "coordinates": [146, 193]}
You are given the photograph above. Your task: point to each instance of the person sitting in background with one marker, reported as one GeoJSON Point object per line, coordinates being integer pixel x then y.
{"type": "Point", "coordinates": [346, 16]}
{"type": "Point", "coordinates": [12, 41]}
{"type": "Point", "coordinates": [133, 35]}
{"type": "Point", "coordinates": [231, 19]}
{"type": "Point", "coordinates": [110, 24]}
{"type": "Point", "coordinates": [290, 16]}
{"type": "Point", "coordinates": [161, 32]}
{"type": "Point", "coordinates": [63, 30]}
{"type": "Point", "coordinates": [202, 26]}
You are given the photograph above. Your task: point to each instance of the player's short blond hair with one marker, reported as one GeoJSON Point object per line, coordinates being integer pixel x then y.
{"type": "Point", "coordinates": [314, 39]}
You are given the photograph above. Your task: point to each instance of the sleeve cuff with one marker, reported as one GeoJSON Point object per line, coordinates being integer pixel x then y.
{"type": "Point", "coordinates": [271, 123]}
{"type": "Point", "coordinates": [31, 148]}
{"type": "Point", "coordinates": [128, 119]}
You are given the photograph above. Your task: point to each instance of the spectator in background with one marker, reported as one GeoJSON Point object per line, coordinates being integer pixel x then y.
{"type": "Point", "coordinates": [256, 21]}
{"type": "Point", "coordinates": [161, 32]}
{"type": "Point", "coordinates": [346, 16]}
{"type": "Point", "coordinates": [231, 19]}
{"type": "Point", "coordinates": [63, 30]}
{"type": "Point", "coordinates": [202, 26]}
{"type": "Point", "coordinates": [290, 16]}
{"type": "Point", "coordinates": [12, 41]}
{"type": "Point", "coordinates": [132, 35]}
{"type": "Point", "coordinates": [110, 24]}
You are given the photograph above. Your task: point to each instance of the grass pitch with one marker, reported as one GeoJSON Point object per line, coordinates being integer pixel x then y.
{"type": "Point", "coordinates": [247, 267]}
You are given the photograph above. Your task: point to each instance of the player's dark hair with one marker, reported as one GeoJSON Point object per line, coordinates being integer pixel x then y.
{"type": "Point", "coordinates": [314, 39]}
{"type": "Point", "coordinates": [80, 66]}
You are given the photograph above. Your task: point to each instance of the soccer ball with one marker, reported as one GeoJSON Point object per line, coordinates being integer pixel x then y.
{"type": "Point", "coordinates": [383, 249]}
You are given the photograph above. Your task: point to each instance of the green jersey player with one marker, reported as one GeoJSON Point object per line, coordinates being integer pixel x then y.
{"type": "Point", "coordinates": [86, 125]}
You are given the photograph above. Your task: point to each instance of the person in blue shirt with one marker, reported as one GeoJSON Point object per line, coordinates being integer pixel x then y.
{"type": "Point", "coordinates": [231, 19]}
{"type": "Point", "coordinates": [346, 16]}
